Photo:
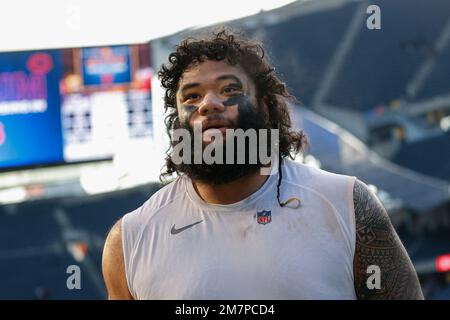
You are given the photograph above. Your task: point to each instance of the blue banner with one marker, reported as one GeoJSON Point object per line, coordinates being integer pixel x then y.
{"type": "Point", "coordinates": [30, 120]}
{"type": "Point", "coordinates": [106, 65]}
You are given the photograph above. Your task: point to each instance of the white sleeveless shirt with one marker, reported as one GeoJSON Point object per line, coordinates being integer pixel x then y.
{"type": "Point", "coordinates": [252, 249]}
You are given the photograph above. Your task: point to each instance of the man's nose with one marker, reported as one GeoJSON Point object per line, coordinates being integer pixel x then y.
{"type": "Point", "coordinates": [211, 104]}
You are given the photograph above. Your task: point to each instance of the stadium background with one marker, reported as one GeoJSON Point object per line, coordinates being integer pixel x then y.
{"type": "Point", "coordinates": [89, 146]}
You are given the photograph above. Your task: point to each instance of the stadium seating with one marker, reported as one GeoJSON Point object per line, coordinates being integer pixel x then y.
{"type": "Point", "coordinates": [35, 245]}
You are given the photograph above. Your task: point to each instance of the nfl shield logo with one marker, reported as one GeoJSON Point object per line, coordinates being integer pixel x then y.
{"type": "Point", "coordinates": [264, 217]}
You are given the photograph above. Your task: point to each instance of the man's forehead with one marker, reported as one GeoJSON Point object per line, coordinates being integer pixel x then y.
{"type": "Point", "coordinates": [210, 71]}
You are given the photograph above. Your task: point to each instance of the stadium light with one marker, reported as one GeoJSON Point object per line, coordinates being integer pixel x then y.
{"type": "Point", "coordinates": [443, 263]}
{"type": "Point", "coordinates": [445, 123]}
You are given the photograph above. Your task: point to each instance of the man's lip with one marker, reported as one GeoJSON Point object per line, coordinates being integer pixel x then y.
{"type": "Point", "coordinates": [216, 125]}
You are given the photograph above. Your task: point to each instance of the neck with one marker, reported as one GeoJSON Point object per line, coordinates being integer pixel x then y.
{"type": "Point", "coordinates": [230, 192]}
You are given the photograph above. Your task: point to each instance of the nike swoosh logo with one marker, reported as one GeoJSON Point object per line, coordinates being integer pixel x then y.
{"type": "Point", "coordinates": [176, 231]}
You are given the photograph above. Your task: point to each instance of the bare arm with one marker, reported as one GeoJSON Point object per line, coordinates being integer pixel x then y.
{"type": "Point", "coordinates": [378, 244]}
{"type": "Point", "coordinates": [113, 266]}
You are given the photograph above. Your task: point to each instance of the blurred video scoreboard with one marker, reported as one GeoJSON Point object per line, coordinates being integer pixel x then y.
{"type": "Point", "coordinates": [72, 105]}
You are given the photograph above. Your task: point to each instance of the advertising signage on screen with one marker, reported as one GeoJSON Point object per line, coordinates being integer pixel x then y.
{"type": "Point", "coordinates": [73, 105]}
{"type": "Point", "coordinates": [30, 126]}
{"type": "Point", "coordinates": [106, 65]}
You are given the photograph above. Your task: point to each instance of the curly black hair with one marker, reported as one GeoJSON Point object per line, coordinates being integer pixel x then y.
{"type": "Point", "coordinates": [248, 55]}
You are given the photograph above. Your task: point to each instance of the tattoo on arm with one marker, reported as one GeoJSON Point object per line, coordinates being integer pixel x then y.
{"type": "Point", "coordinates": [378, 244]}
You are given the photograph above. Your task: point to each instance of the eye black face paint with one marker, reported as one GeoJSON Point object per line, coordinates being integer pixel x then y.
{"type": "Point", "coordinates": [248, 115]}
{"type": "Point", "coordinates": [242, 101]}
{"type": "Point", "coordinates": [188, 111]}
{"type": "Point", "coordinates": [246, 110]}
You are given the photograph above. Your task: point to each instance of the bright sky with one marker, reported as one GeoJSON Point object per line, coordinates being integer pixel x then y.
{"type": "Point", "coordinates": [30, 24]}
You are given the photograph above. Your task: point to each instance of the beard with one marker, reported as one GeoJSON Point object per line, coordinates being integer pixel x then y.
{"type": "Point", "coordinates": [221, 173]}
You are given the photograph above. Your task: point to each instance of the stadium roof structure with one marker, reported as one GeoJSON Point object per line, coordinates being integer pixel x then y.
{"type": "Point", "coordinates": [341, 152]}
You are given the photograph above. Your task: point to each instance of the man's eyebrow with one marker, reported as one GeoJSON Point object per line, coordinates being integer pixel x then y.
{"type": "Point", "coordinates": [230, 77]}
{"type": "Point", "coordinates": [189, 86]}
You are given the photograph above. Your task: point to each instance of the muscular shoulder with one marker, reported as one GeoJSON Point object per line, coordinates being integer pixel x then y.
{"type": "Point", "coordinates": [369, 211]}
{"type": "Point", "coordinates": [113, 267]}
{"type": "Point", "coordinates": [377, 244]}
